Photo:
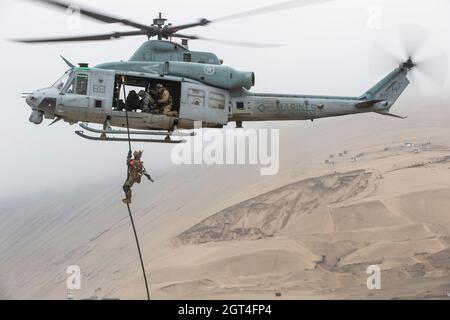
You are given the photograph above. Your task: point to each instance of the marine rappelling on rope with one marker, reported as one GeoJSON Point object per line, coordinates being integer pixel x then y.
{"type": "Point", "coordinates": [134, 166]}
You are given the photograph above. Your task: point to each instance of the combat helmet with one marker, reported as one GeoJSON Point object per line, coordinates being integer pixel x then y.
{"type": "Point", "coordinates": [137, 155]}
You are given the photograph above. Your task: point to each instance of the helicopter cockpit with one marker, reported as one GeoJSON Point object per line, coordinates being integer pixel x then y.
{"type": "Point", "coordinates": [78, 84]}
{"type": "Point", "coordinates": [59, 84]}
{"type": "Point", "coordinates": [43, 101]}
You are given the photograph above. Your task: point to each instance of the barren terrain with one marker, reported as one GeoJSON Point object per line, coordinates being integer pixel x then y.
{"type": "Point", "coordinates": [378, 192]}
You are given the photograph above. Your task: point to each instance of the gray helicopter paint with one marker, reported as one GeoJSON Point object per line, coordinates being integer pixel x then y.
{"type": "Point", "coordinates": [165, 58]}
{"type": "Point", "coordinates": [242, 105]}
{"type": "Point", "coordinates": [204, 110]}
{"type": "Point", "coordinates": [96, 105]}
{"type": "Point", "coordinates": [266, 107]}
{"type": "Point", "coordinates": [214, 75]}
{"type": "Point", "coordinates": [202, 85]}
{"type": "Point", "coordinates": [162, 51]}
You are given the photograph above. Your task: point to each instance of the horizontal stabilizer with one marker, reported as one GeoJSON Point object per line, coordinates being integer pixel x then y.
{"type": "Point", "coordinates": [391, 115]}
{"type": "Point", "coordinates": [367, 103]}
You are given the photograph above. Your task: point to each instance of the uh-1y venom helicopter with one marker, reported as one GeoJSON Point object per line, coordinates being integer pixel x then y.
{"type": "Point", "coordinates": [202, 88]}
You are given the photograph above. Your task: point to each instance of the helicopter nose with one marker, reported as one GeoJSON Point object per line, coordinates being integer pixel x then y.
{"type": "Point", "coordinates": [42, 102]}
{"type": "Point", "coordinates": [31, 100]}
{"type": "Point", "coordinates": [36, 117]}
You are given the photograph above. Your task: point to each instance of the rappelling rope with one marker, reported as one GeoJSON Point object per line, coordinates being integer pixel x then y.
{"type": "Point", "coordinates": [128, 205]}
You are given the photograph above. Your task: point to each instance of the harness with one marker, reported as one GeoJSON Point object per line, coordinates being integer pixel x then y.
{"type": "Point", "coordinates": [136, 165]}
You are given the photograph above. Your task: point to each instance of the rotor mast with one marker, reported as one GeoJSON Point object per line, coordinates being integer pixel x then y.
{"type": "Point", "coordinates": [159, 22]}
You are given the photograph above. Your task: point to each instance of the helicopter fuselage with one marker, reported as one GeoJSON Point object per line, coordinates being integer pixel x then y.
{"type": "Point", "coordinates": [208, 92]}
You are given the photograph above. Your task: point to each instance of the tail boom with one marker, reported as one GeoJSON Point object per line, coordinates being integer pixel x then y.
{"type": "Point", "coordinates": [273, 107]}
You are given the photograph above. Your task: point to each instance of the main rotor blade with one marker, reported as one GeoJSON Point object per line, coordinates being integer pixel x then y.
{"type": "Point", "coordinates": [173, 29]}
{"type": "Point", "coordinates": [272, 8]}
{"type": "Point", "coordinates": [229, 42]}
{"type": "Point", "coordinates": [115, 35]}
{"type": "Point", "coordinates": [97, 15]}
{"type": "Point", "coordinates": [185, 36]}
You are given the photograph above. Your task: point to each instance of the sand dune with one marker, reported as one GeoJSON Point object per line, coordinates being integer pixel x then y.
{"type": "Point", "coordinates": [266, 215]}
{"type": "Point", "coordinates": [329, 255]}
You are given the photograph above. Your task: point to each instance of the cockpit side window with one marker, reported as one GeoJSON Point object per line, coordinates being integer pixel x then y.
{"type": "Point", "coordinates": [82, 84]}
{"type": "Point", "coordinates": [78, 84]}
{"type": "Point", "coordinates": [70, 85]}
{"type": "Point", "coordinates": [61, 82]}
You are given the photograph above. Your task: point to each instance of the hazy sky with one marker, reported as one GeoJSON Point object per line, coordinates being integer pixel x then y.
{"type": "Point", "coordinates": [326, 52]}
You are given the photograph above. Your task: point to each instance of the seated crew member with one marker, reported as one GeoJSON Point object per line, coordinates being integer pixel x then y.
{"type": "Point", "coordinates": [164, 100]}
{"type": "Point", "coordinates": [82, 85]}
{"type": "Point", "coordinates": [133, 102]}
{"type": "Point", "coordinates": [120, 105]}
{"type": "Point", "coordinates": [147, 102]}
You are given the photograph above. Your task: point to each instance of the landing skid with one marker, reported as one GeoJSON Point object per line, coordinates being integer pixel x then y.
{"type": "Point", "coordinates": [147, 133]}
{"type": "Point", "coordinates": [105, 138]}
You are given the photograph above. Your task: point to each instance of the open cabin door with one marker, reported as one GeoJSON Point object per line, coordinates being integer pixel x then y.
{"type": "Point", "coordinates": [204, 103]}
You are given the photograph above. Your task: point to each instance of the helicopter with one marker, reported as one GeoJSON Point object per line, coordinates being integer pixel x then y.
{"type": "Point", "coordinates": [202, 88]}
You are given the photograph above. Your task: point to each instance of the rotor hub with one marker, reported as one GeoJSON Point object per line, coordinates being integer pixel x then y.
{"type": "Point", "coordinates": [159, 21]}
{"type": "Point", "coordinates": [408, 64]}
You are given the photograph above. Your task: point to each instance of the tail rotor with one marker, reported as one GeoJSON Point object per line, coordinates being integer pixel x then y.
{"type": "Point", "coordinates": [412, 56]}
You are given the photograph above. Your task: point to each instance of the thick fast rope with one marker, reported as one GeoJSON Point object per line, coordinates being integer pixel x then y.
{"type": "Point", "coordinates": [128, 205]}
{"type": "Point", "coordinates": [139, 250]}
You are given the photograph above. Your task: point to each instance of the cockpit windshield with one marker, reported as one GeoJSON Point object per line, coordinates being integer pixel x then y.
{"type": "Point", "coordinates": [59, 84]}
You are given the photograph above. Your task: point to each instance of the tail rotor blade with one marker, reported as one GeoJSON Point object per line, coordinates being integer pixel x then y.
{"type": "Point", "coordinates": [416, 84]}
{"type": "Point", "coordinates": [435, 68]}
{"type": "Point", "coordinates": [413, 38]}
{"type": "Point", "coordinates": [381, 59]}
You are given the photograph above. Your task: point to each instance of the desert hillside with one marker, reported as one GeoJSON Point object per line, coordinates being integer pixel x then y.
{"type": "Point", "coordinates": [268, 214]}
{"type": "Point", "coordinates": [315, 238]}
{"type": "Point", "coordinates": [359, 190]}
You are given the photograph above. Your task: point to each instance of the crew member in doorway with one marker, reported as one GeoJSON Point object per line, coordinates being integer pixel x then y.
{"type": "Point", "coordinates": [164, 100]}
{"type": "Point", "coordinates": [135, 172]}
{"type": "Point", "coordinates": [133, 101]}
{"type": "Point", "coordinates": [147, 102]}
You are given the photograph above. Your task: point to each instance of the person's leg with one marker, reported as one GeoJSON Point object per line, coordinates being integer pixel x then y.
{"type": "Point", "coordinates": [168, 111]}
{"type": "Point", "coordinates": [127, 189]}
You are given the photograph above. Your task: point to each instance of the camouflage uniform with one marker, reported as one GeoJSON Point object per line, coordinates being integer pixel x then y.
{"type": "Point", "coordinates": [147, 103]}
{"type": "Point", "coordinates": [135, 172]}
{"type": "Point", "coordinates": [165, 101]}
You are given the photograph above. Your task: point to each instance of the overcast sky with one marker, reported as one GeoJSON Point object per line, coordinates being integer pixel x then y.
{"type": "Point", "coordinates": [327, 48]}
